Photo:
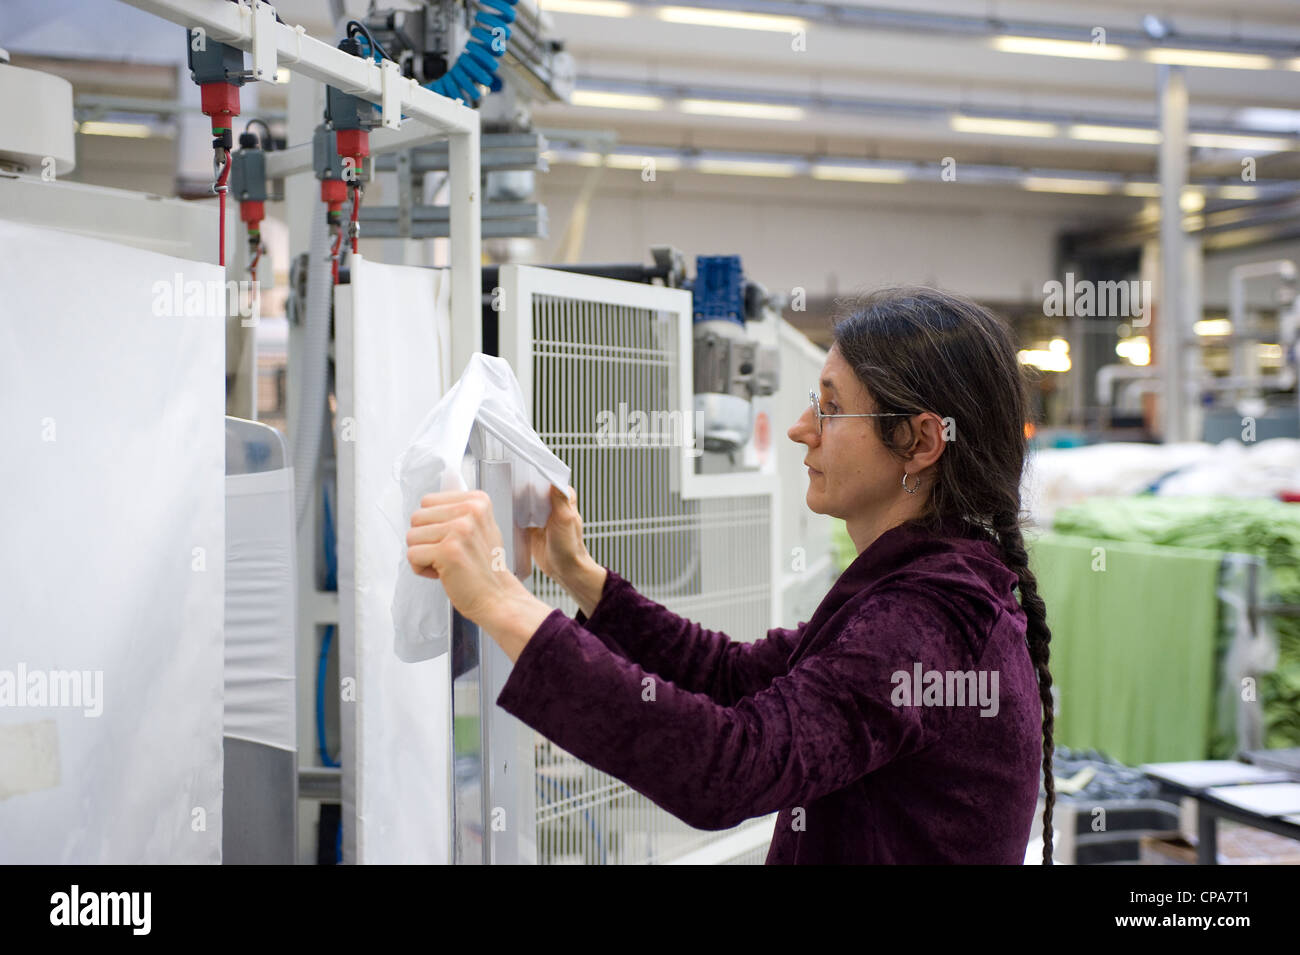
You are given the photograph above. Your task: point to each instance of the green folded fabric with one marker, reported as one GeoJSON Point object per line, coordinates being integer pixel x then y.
{"type": "Point", "coordinates": [1133, 644]}
{"type": "Point", "coordinates": [1266, 528]}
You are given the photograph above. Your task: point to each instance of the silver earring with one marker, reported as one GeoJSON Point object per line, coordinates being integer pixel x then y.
{"type": "Point", "coordinates": [913, 489]}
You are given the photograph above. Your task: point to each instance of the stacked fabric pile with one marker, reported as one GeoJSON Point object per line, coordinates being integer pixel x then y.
{"type": "Point", "coordinates": [1059, 478]}
{"type": "Point", "coordinates": [1264, 528]}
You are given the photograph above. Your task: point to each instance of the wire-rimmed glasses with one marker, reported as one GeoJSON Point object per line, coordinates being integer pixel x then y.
{"type": "Point", "coordinates": [816, 403]}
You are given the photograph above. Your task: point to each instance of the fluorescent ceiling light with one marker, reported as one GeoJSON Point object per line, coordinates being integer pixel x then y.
{"type": "Point", "coordinates": [858, 173]}
{"type": "Point", "coordinates": [603, 100]}
{"type": "Point", "coordinates": [591, 8]}
{"type": "Point", "coordinates": [1270, 118]}
{"type": "Point", "coordinates": [1094, 187]}
{"type": "Point", "coordinates": [1044, 47]}
{"type": "Point", "coordinates": [1136, 349]}
{"type": "Point", "coordinates": [1238, 192]}
{"type": "Point", "coordinates": [729, 167]}
{"type": "Point", "coordinates": [127, 130]}
{"type": "Point", "coordinates": [1043, 359]}
{"type": "Point", "coordinates": [1115, 134]}
{"type": "Point", "coordinates": [1192, 199]}
{"type": "Point", "coordinates": [717, 107]}
{"type": "Point", "coordinates": [699, 16]}
{"type": "Point", "coordinates": [1212, 326]}
{"type": "Point", "coordinates": [1002, 127]}
{"type": "Point", "coordinates": [1239, 141]}
{"type": "Point", "coordinates": [633, 161]}
{"type": "Point", "coordinates": [1212, 58]}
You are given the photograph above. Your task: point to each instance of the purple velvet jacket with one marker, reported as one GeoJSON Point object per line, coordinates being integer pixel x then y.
{"type": "Point", "coordinates": [819, 723]}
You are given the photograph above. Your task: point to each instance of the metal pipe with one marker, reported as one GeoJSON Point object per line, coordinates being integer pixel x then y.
{"type": "Point", "coordinates": [1170, 330]}
{"type": "Point", "coordinates": [644, 274]}
{"type": "Point", "coordinates": [1107, 375]}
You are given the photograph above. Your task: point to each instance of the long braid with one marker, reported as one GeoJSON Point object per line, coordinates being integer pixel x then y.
{"type": "Point", "coordinates": [1038, 636]}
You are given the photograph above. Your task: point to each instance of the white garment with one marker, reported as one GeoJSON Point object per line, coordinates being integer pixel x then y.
{"type": "Point", "coordinates": [482, 415]}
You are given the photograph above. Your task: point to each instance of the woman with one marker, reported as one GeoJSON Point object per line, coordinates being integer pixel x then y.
{"type": "Point", "coordinates": [909, 719]}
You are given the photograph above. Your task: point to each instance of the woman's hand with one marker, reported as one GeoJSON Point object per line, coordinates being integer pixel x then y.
{"type": "Point", "coordinates": [557, 548]}
{"type": "Point", "coordinates": [455, 539]}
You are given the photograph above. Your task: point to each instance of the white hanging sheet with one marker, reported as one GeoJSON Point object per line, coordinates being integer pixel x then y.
{"type": "Point", "coordinates": [112, 563]}
{"type": "Point", "coordinates": [393, 326]}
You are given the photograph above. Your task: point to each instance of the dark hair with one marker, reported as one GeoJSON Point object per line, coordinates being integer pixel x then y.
{"type": "Point", "coordinates": [919, 349]}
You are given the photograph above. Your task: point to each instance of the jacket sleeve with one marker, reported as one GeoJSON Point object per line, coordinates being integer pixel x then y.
{"type": "Point", "coordinates": [814, 730]}
{"type": "Point", "coordinates": [682, 652]}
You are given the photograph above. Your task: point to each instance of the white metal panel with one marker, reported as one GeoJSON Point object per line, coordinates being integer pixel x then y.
{"type": "Point", "coordinates": [806, 565]}
{"type": "Point", "coordinates": [580, 345]}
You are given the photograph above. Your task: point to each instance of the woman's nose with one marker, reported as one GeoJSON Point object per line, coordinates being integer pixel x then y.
{"type": "Point", "coordinates": [803, 430]}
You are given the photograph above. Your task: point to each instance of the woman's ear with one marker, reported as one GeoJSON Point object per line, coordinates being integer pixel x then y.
{"type": "Point", "coordinates": [929, 437]}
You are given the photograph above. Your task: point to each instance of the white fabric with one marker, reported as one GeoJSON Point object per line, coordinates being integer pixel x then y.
{"type": "Point", "coordinates": [484, 413]}
{"type": "Point", "coordinates": [1236, 469]}
{"type": "Point", "coordinates": [261, 599]}
{"type": "Point", "coordinates": [1059, 477]}
{"type": "Point", "coordinates": [393, 324]}
{"type": "Point", "coordinates": [112, 495]}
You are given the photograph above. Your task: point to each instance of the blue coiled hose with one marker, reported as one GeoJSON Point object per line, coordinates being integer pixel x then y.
{"type": "Point", "coordinates": [481, 57]}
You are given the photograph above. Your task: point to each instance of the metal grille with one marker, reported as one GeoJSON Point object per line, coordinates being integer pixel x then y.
{"type": "Point", "coordinates": [708, 559]}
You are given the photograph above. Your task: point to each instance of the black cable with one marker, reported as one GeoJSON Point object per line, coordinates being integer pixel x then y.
{"type": "Point", "coordinates": [355, 26]}
{"type": "Point", "coordinates": [268, 143]}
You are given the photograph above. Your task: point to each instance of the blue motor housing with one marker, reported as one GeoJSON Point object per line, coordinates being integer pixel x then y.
{"type": "Point", "coordinates": [719, 288]}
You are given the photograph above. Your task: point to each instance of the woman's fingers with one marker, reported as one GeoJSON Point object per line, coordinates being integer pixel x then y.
{"type": "Point", "coordinates": [437, 527]}
{"type": "Point", "coordinates": [431, 533]}
{"type": "Point", "coordinates": [444, 505]}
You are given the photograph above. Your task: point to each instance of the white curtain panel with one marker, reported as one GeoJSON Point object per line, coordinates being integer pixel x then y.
{"type": "Point", "coordinates": [112, 564]}
{"type": "Point", "coordinates": [393, 327]}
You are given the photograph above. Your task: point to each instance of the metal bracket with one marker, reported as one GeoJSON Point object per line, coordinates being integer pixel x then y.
{"type": "Point", "coordinates": [262, 28]}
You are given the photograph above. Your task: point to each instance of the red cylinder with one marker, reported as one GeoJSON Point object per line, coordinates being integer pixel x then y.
{"type": "Point", "coordinates": [334, 192]}
{"type": "Point", "coordinates": [253, 210]}
{"type": "Point", "coordinates": [353, 142]}
{"type": "Point", "coordinates": [220, 101]}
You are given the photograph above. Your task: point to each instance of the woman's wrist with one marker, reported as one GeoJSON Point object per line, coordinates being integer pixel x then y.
{"type": "Point", "coordinates": [585, 583]}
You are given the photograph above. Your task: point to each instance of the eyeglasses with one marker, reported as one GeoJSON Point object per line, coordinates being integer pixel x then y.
{"type": "Point", "coordinates": [817, 412]}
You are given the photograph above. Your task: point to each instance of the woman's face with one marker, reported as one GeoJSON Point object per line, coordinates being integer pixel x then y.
{"type": "Point", "coordinates": [852, 475]}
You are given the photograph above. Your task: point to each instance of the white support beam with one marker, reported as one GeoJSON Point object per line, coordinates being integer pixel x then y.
{"type": "Point", "coordinates": [233, 24]}
{"type": "Point", "coordinates": [251, 26]}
